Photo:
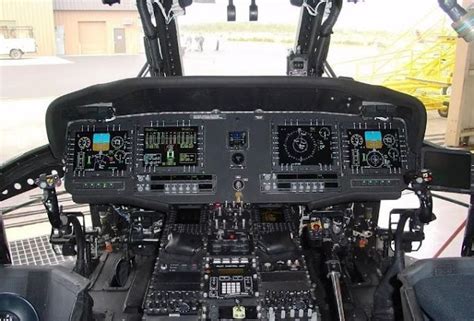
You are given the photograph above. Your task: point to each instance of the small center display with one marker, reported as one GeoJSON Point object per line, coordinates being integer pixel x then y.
{"type": "Point", "coordinates": [304, 145]}
{"type": "Point", "coordinates": [170, 146]}
{"type": "Point", "coordinates": [237, 140]}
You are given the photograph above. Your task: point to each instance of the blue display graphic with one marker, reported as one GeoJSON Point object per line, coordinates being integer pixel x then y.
{"type": "Point", "coordinates": [373, 139]}
{"type": "Point", "coordinates": [100, 142]}
{"type": "Point", "coordinates": [238, 139]}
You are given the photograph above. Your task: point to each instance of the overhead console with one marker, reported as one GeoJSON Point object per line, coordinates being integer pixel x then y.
{"type": "Point", "coordinates": [332, 147]}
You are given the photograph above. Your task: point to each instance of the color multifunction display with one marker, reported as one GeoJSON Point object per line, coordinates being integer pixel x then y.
{"type": "Point", "coordinates": [101, 151]}
{"type": "Point", "coordinates": [374, 148]}
{"type": "Point", "coordinates": [304, 145]}
{"type": "Point", "coordinates": [170, 146]}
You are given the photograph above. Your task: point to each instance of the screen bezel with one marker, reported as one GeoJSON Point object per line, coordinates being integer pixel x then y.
{"type": "Point", "coordinates": [453, 152]}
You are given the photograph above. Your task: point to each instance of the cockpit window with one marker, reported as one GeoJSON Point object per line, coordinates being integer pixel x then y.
{"type": "Point", "coordinates": [71, 45]}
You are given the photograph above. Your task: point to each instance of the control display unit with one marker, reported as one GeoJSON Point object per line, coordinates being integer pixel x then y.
{"type": "Point", "coordinates": [170, 146]}
{"type": "Point", "coordinates": [304, 145]}
{"type": "Point", "coordinates": [100, 151]}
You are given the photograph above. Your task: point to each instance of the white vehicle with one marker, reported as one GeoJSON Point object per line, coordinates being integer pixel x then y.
{"type": "Point", "coordinates": [16, 41]}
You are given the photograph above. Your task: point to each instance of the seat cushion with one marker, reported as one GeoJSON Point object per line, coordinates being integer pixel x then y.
{"type": "Point", "coordinates": [445, 298]}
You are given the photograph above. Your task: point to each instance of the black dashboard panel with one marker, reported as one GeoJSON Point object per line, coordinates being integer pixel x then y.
{"type": "Point", "coordinates": [256, 139]}
{"type": "Point", "coordinates": [261, 157]}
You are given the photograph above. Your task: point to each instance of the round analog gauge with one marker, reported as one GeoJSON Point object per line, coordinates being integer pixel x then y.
{"type": "Point", "coordinates": [375, 159]}
{"type": "Point", "coordinates": [393, 153]}
{"type": "Point", "coordinates": [119, 156]}
{"type": "Point", "coordinates": [117, 142]}
{"type": "Point", "coordinates": [389, 140]}
{"type": "Point", "coordinates": [325, 133]}
{"type": "Point", "coordinates": [357, 140]}
{"type": "Point", "coordinates": [84, 142]}
{"type": "Point", "coordinates": [300, 145]}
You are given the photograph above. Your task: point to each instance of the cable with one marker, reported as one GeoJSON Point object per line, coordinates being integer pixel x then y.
{"type": "Point", "coordinates": [81, 265]}
{"type": "Point", "coordinates": [313, 11]}
{"type": "Point", "coordinates": [119, 211]}
{"type": "Point", "coordinates": [168, 17]}
{"type": "Point", "coordinates": [450, 239]}
{"type": "Point", "coordinates": [448, 199]}
{"type": "Point", "coordinates": [174, 11]}
{"type": "Point", "coordinates": [445, 198]}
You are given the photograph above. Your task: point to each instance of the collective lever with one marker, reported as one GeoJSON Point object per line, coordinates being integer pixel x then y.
{"type": "Point", "coordinates": [334, 275]}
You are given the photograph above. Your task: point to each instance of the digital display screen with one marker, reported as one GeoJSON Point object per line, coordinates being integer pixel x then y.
{"type": "Point", "coordinates": [170, 146]}
{"type": "Point", "coordinates": [374, 148]}
{"type": "Point", "coordinates": [304, 145]}
{"type": "Point", "coordinates": [100, 142]}
{"type": "Point", "coordinates": [230, 271]}
{"type": "Point", "coordinates": [100, 151]}
{"type": "Point", "coordinates": [237, 140]}
{"type": "Point", "coordinates": [272, 215]}
{"type": "Point", "coordinates": [373, 139]}
{"type": "Point", "coordinates": [188, 215]}
{"type": "Point", "coordinates": [450, 170]}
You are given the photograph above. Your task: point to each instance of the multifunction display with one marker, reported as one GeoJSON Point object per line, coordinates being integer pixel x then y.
{"type": "Point", "coordinates": [100, 151]}
{"type": "Point", "coordinates": [374, 148]}
{"type": "Point", "coordinates": [170, 146]}
{"type": "Point", "coordinates": [304, 145]}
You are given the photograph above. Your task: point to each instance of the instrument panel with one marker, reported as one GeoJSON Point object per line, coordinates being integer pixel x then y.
{"type": "Point", "coordinates": [274, 157]}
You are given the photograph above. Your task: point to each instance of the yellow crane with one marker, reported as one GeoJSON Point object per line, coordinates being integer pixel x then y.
{"type": "Point", "coordinates": [420, 64]}
{"type": "Point", "coordinates": [428, 74]}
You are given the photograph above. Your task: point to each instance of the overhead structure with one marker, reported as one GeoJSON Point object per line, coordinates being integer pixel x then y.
{"type": "Point", "coordinates": [463, 21]}
{"type": "Point", "coordinates": [460, 127]}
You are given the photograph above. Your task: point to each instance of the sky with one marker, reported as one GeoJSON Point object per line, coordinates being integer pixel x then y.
{"type": "Point", "coordinates": [365, 15]}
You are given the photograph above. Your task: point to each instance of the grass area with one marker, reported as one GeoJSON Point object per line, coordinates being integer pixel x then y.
{"type": "Point", "coordinates": [261, 39]}
{"type": "Point", "coordinates": [282, 33]}
{"type": "Point", "coordinates": [239, 27]}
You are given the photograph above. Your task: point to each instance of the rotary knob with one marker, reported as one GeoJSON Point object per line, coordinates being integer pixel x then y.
{"type": "Point", "coordinates": [238, 158]}
{"type": "Point", "coordinates": [183, 307]}
{"type": "Point", "coordinates": [300, 305]}
{"type": "Point", "coordinates": [238, 185]}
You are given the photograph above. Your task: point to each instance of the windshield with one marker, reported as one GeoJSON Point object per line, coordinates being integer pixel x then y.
{"type": "Point", "coordinates": [67, 46]}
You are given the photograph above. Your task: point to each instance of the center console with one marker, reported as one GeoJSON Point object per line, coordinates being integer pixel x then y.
{"type": "Point", "coordinates": [245, 263]}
